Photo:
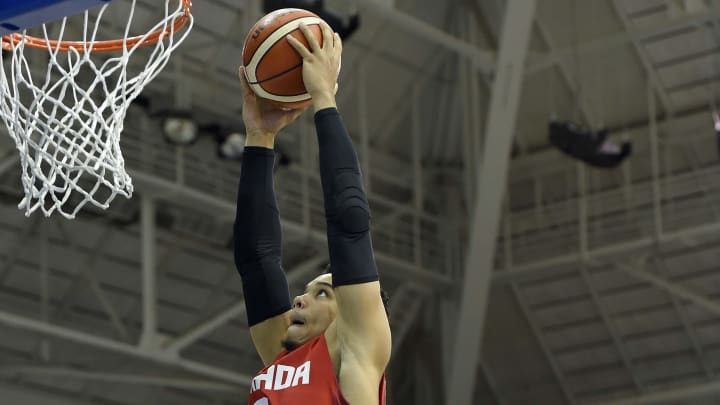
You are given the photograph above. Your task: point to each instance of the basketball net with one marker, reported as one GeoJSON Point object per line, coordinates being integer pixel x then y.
{"type": "Point", "coordinates": [66, 120]}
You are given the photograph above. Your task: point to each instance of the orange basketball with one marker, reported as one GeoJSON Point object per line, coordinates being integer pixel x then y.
{"type": "Point", "coordinates": [273, 67]}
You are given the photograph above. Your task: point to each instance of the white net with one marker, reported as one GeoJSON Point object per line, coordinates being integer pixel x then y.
{"type": "Point", "coordinates": [66, 117]}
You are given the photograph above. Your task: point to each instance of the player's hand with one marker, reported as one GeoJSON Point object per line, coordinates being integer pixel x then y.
{"type": "Point", "coordinates": [261, 118]}
{"type": "Point", "coordinates": [321, 64]}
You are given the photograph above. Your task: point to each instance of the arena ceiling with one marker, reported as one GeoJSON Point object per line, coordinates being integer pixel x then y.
{"type": "Point", "coordinates": [604, 288]}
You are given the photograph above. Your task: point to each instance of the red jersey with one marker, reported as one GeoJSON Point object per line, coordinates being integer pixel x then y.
{"type": "Point", "coordinates": [304, 376]}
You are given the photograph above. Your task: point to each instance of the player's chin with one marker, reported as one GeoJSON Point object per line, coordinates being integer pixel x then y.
{"type": "Point", "coordinates": [291, 344]}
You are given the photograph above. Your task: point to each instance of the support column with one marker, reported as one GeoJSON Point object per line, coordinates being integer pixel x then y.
{"type": "Point", "coordinates": [44, 285]}
{"type": "Point", "coordinates": [149, 287]}
{"type": "Point", "coordinates": [448, 303]}
{"type": "Point", "coordinates": [655, 164]}
{"type": "Point", "coordinates": [419, 194]}
{"type": "Point", "coordinates": [490, 186]}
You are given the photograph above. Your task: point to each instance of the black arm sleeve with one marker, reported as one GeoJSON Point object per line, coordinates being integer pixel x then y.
{"type": "Point", "coordinates": [346, 207]}
{"type": "Point", "coordinates": [257, 238]}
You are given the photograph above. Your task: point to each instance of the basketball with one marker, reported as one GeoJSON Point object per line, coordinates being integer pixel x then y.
{"type": "Point", "coordinates": [273, 68]}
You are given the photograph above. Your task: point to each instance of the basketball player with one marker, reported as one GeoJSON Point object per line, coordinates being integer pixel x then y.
{"type": "Point", "coordinates": [332, 344]}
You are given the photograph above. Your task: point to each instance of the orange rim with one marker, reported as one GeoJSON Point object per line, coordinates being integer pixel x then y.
{"type": "Point", "coordinates": [8, 41]}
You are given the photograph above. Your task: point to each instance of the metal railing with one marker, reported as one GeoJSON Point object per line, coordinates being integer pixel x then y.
{"type": "Point", "coordinates": [198, 168]}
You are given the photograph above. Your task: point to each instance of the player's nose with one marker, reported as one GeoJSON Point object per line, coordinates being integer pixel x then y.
{"type": "Point", "coordinates": [299, 302]}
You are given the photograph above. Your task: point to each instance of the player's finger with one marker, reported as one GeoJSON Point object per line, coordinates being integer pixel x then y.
{"type": "Point", "coordinates": [243, 82]}
{"type": "Point", "coordinates": [299, 46]}
{"type": "Point", "coordinates": [339, 68]}
{"type": "Point", "coordinates": [337, 42]}
{"type": "Point", "coordinates": [327, 35]}
{"type": "Point", "coordinates": [310, 37]}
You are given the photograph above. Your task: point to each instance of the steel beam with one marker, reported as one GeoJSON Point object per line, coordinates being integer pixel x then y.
{"type": "Point", "coordinates": [682, 393]}
{"type": "Point", "coordinates": [418, 192]}
{"type": "Point", "coordinates": [399, 111]}
{"type": "Point", "coordinates": [204, 328]}
{"type": "Point", "coordinates": [554, 366]}
{"type": "Point", "coordinates": [654, 80]}
{"type": "Point", "coordinates": [471, 131]}
{"type": "Point", "coordinates": [672, 288]}
{"type": "Point", "coordinates": [687, 325]}
{"type": "Point", "coordinates": [490, 187]}
{"type": "Point", "coordinates": [215, 294]}
{"type": "Point", "coordinates": [655, 163]}
{"type": "Point", "coordinates": [467, 140]}
{"type": "Point", "coordinates": [116, 378]}
{"type": "Point", "coordinates": [693, 156]}
{"type": "Point", "coordinates": [23, 394]}
{"type": "Point", "coordinates": [623, 38]}
{"type": "Point", "coordinates": [447, 303]}
{"type": "Point", "coordinates": [86, 268]}
{"type": "Point", "coordinates": [23, 323]}
{"type": "Point", "coordinates": [482, 59]}
{"type": "Point", "coordinates": [405, 314]}
{"type": "Point", "coordinates": [167, 190]}
{"type": "Point", "coordinates": [235, 310]}
{"type": "Point", "coordinates": [567, 76]}
{"type": "Point", "coordinates": [605, 253]}
{"type": "Point", "coordinates": [612, 330]}
{"type": "Point", "coordinates": [587, 280]}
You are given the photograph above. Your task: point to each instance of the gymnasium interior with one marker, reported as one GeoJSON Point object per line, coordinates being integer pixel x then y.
{"type": "Point", "coordinates": [544, 215]}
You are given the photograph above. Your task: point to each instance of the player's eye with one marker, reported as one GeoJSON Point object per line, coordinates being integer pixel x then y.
{"type": "Point", "coordinates": [323, 293]}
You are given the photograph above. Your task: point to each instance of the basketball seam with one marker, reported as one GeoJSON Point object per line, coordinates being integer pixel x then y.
{"type": "Point", "coordinates": [276, 75]}
{"type": "Point", "coordinates": [261, 42]}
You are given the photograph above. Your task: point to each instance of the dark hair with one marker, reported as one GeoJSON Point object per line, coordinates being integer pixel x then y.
{"type": "Point", "coordinates": [383, 295]}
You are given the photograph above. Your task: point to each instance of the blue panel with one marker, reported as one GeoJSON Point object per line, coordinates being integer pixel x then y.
{"type": "Point", "coordinates": [19, 14]}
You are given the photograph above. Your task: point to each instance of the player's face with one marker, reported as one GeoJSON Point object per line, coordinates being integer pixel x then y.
{"type": "Point", "coordinates": [313, 311]}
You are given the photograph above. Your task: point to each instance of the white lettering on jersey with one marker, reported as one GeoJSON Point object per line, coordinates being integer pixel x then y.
{"type": "Point", "coordinates": [267, 378]}
{"type": "Point", "coordinates": [302, 372]}
{"type": "Point", "coordinates": [282, 376]}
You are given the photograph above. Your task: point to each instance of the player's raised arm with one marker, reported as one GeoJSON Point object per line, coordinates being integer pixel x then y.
{"type": "Point", "coordinates": [257, 233]}
{"type": "Point", "coordinates": [362, 323]}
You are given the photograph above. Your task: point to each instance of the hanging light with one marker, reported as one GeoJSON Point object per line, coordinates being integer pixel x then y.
{"type": "Point", "coordinates": [231, 148]}
{"type": "Point", "coordinates": [179, 128]}
{"type": "Point", "coordinates": [589, 146]}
